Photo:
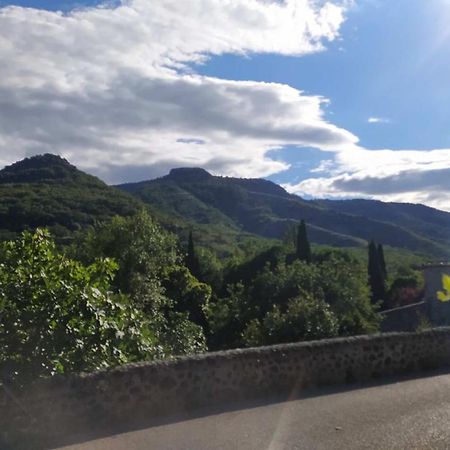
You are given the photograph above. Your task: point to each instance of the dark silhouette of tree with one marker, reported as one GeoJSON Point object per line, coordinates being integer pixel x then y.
{"type": "Point", "coordinates": [303, 246]}
{"type": "Point", "coordinates": [375, 272]}
{"type": "Point", "coordinates": [192, 262]}
{"type": "Point", "coordinates": [382, 261]}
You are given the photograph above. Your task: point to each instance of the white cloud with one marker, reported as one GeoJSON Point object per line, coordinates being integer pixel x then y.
{"type": "Point", "coordinates": [388, 175]}
{"type": "Point", "coordinates": [378, 120]}
{"type": "Point", "coordinates": [111, 88]}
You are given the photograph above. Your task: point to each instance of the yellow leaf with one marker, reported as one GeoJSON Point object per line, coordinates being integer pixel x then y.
{"type": "Point", "coordinates": [446, 282]}
{"type": "Point", "coordinates": [444, 296]}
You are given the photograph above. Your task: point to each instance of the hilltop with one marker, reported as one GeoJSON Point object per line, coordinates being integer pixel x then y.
{"type": "Point", "coordinates": [48, 191]}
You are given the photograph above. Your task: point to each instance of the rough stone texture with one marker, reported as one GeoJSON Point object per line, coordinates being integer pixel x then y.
{"type": "Point", "coordinates": [60, 407]}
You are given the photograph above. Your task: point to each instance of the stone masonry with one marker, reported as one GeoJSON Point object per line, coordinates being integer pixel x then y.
{"type": "Point", "coordinates": [52, 410]}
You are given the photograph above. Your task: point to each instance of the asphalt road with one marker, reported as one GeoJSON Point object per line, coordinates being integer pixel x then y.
{"type": "Point", "coordinates": [412, 414]}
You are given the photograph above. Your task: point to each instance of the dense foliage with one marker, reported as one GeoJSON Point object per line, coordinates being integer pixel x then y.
{"type": "Point", "coordinates": [283, 300]}
{"type": "Point", "coordinates": [152, 274]}
{"type": "Point", "coordinates": [406, 287]}
{"type": "Point", "coordinates": [47, 191]}
{"type": "Point", "coordinates": [123, 295]}
{"type": "Point", "coordinates": [123, 288]}
{"type": "Point", "coordinates": [58, 315]}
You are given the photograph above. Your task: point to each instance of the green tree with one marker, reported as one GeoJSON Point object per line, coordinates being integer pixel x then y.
{"type": "Point", "coordinates": [189, 295]}
{"type": "Point", "coordinates": [337, 281]}
{"type": "Point", "coordinates": [344, 283]}
{"type": "Point", "coordinates": [227, 317]}
{"type": "Point", "coordinates": [407, 287]}
{"type": "Point", "coordinates": [210, 268]}
{"type": "Point", "coordinates": [58, 315]}
{"type": "Point", "coordinates": [142, 249]}
{"type": "Point", "coordinates": [382, 261]}
{"type": "Point", "coordinates": [192, 262]}
{"type": "Point", "coordinates": [305, 318]}
{"type": "Point", "coordinates": [151, 272]}
{"type": "Point", "coordinates": [303, 245]}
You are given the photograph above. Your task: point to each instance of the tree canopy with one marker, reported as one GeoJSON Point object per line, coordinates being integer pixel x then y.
{"type": "Point", "coordinates": [58, 315]}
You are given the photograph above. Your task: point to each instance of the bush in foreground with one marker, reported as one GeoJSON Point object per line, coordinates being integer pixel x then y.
{"type": "Point", "coordinates": [58, 315]}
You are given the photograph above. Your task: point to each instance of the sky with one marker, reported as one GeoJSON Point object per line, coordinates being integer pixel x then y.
{"type": "Point", "coordinates": [330, 98]}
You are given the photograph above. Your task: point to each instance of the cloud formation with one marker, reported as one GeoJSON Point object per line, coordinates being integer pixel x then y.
{"type": "Point", "coordinates": [111, 88]}
{"type": "Point", "coordinates": [400, 175]}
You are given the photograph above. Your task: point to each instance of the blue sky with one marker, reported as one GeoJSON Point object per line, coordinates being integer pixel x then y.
{"type": "Point", "coordinates": [388, 64]}
{"type": "Point", "coordinates": [383, 70]}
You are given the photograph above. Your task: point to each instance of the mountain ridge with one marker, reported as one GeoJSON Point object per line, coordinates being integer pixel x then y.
{"type": "Point", "coordinates": [47, 190]}
{"type": "Point", "coordinates": [274, 210]}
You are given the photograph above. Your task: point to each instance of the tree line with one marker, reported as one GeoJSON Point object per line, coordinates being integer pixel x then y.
{"type": "Point", "coordinates": [127, 290]}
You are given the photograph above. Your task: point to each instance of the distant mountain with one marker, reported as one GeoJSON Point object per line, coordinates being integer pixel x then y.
{"type": "Point", "coordinates": [266, 209]}
{"type": "Point", "coordinates": [48, 191]}
{"type": "Point", "coordinates": [225, 213]}
{"type": "Point", "coordinates": [420, 219]}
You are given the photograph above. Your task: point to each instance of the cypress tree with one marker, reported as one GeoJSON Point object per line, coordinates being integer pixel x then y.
{"type": "Point", "coordinates": [375, 272]}
{"type": "Point", "coordinates": [192, 262]}
{"type": "Point", "coordinates": [382, 261]}
{"type": "Point", "coordinates": [303, 246]}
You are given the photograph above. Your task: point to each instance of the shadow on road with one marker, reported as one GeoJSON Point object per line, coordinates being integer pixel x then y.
{"type": "Point", "coordinates": [141, 423]}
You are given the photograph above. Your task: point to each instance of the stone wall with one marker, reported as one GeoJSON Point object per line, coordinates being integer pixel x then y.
{"type": "Point", "coordinates": [55, 409]}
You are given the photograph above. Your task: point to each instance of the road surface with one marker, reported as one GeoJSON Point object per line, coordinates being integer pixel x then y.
{"type": "Point", "coordinates": [411, 414]}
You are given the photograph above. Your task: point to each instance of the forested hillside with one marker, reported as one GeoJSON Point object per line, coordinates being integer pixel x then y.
{"type": "Point", "coordinates": [228, 213]}
{"type": "Point", "coordinates": [266, 209]}
{"type": "Point", "coordinates": [47, 191]}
